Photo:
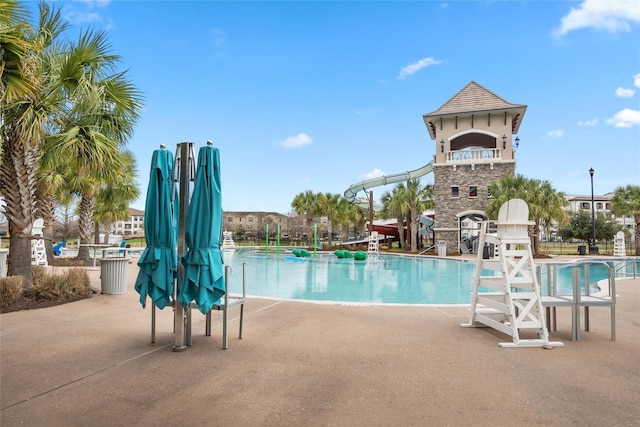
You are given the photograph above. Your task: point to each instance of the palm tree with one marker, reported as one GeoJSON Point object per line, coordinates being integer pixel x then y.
{"type": "Point", "coordinates": [61, 95]}
{"type": "Point", "coordinates": [112, 203]}
{"type": "Point", "coordinates": [545, 203]}
{"type": "Point", "coordinates": [394, 206]}
{"type": "Point", "coordinates": [306, 204]}
{"type": "Point", "coordinates": [99, 108]}
{"type": "Point", "coordinates": [333, 206]}
{"type": "Point", "coordinates": [418, 198]}
{"type": "Point", "coordinates": [48, 192]}
{"type": "Point", "coordinates": [25, 106]}
{"type": "Point", "coordinates": [354, 215]}
{"type": "Point", "coordinates": [626, 202]}
{"type": "Point", "coordinates": [547, 208]}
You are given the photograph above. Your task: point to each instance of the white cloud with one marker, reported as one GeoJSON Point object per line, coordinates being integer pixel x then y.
{"type": "Point", "coordinates": [555, 133]}
{"type": "Point", "coordinates": [81, 18]}
{"type": "Point", "coordinates": [373, 174]}
{"type": "Point", "coordinates": [417, 66]}
{"type": "Point", "coordinates": [636, 80]}
{"type": "Point", "coordinates": [624, 93]}
{"type": "Point", "coordinates": [625, 119]}
{"type": "Point", "coordinates": [219, 37]}
{"type": "Point", "coordinates": [610, 15]}
{"type": "Point", "coordinates": [94, 3]}
{"type": "Point", "coordinates": [591, 122]}
{"type": "Point", "coordinates": [299, 140]}
{"type": "Point", "coordinates": [88, 16]}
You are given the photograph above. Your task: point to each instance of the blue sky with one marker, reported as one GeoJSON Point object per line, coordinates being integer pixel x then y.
{"type": "Point", "coordinates": [321, 95]}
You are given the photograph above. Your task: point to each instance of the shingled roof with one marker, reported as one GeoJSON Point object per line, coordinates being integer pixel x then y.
{"type": "Point", "coordinates": [474, 98]}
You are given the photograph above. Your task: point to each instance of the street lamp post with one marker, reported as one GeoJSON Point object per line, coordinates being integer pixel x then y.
{"type": "Point", "coordinates": [593, 249]}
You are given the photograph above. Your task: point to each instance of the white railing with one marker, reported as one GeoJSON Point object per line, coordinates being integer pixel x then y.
{"type": "Point", "coordinates": [482, 155]}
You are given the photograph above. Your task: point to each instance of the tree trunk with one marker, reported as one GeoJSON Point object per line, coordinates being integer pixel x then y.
{"type": "Point", "coordinates": [414, 232]}
{"type": "Point", "coordinates": [107, 228]}
{"type": "Point", "coordinates": [85, 224]}
{"type": "Point", "coordinates": [534, 239]}
{"type": "Point", "coordinates": [19, 258]}
{"type": "Point", "coordinates": [17, 178]}
{"type": "Point", "coordinates": [96, 233]}
{"type": "Point", "coordinates": [414, 236]}
{"type": "Point", "coordinates": [401, 232]}
{"type": "Point", "coordinates": [310, 225]}
{"type": "Point", "coordinates": [47, 208]}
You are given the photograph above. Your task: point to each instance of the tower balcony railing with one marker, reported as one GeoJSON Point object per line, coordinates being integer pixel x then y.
{"type": "Point", "coordinates": [476, 155]}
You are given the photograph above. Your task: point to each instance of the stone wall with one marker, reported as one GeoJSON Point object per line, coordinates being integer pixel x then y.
{"type": "Point", "coordinates": [463, 176]}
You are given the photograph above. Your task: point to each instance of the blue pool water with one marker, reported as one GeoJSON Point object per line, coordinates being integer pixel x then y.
{"type": "Point", "coordinates": [391, 280]}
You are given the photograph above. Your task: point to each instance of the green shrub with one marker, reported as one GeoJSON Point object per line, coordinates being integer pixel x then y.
{"type": "Point", "coordinates": [10, 290]}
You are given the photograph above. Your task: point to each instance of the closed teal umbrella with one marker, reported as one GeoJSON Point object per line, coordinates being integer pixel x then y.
{"type": "Point", "coordinates": [159, 261]}
{"type": "Point", "coordinates": [203, 270]}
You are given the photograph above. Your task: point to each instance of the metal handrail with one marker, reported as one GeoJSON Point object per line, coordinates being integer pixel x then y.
{"type": "Point", "coordinates": [428, 249]}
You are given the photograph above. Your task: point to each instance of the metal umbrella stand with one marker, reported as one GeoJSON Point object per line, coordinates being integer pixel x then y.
{"type": "Point", "coordinates": [196, 218]}
{"type": "Point", "coordinates": [184, 175]}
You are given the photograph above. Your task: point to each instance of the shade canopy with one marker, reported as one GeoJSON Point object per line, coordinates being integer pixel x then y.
{"type": "Point", "coordinates": [203, 262]}
{"type": "Point", "coordinates": [159, 261]}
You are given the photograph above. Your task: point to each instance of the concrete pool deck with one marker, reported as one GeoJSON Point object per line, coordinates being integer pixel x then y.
{"type": "Point", "coordinates": [91, 362]}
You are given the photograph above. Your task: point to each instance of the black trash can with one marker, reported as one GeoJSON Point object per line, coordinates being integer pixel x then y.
{"type": "Point", "coordinates": [582, 250]}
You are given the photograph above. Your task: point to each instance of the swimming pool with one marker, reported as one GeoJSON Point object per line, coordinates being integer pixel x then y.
{"type": "Point", "coordinates": [391, 280]}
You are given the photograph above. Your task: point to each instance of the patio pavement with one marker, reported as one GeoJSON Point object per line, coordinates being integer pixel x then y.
{"type": "Point", "coordinates": [91, 362]}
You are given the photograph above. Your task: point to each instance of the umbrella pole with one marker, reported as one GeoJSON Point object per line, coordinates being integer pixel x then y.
{"type": "Point", "coordinates": [182, 325]}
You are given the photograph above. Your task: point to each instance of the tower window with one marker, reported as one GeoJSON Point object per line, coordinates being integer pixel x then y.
{"type": "Point", "coordinates": [473, 191]}
{"type": "Point", "coordinates": [455, 192]}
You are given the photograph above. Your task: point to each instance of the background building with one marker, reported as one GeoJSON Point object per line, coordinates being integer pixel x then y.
{"type": "Point", "coordinates": [602, 204]}
{"type": "Point", "coordinates": [252, 225]}
{"type": "Point", "coordinates": [134, 225]}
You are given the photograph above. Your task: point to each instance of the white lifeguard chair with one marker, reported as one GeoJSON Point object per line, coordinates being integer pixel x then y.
{"type": "Point", "coordinates": [619, 248]}
{"type": "Point", "coordinates": [227, 240]}
{"type": "Point", "coordinates": [515, 304]}
{"type": "Point", "coordinates": [372, 249]}
{"type": "Point", "coordinates": [38, 250]}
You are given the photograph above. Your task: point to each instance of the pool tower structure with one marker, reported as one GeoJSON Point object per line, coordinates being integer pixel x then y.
{"type": "Point", "coordinates": [473, 133]}
{"type": "Point", "coordinates": [474, 145]}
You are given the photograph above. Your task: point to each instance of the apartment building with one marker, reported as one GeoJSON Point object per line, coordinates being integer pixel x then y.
{"type": "Point", "coordinates": [254, 224]}
{"type": "Point", "coordinates": [134, 225]}
{"type": "Point", "coordinates": [601, 204]}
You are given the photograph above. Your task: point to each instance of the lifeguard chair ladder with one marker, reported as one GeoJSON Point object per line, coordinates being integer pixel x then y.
{"type": "Point", "coordinates": [372, 249]}
{"type": "Point", "coordinates": [515, 304]}
{"type": "Point", "coordinates": [619, 246]}
{"type": "Point", "coordinates": [38, 250]}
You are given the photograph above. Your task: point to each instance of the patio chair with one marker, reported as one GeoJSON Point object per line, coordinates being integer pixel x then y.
{"type": "Point", "coordinates": [578, 299]}
{"type": "Point", "coordinates": [226, 302]}
{"type": "Point", "coordinates": [587, 300]}
{"type": "Point", "coordinates": [552, 300]}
